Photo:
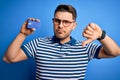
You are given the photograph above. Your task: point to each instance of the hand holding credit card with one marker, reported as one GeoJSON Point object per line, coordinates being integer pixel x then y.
{"type": "Point", "coordinates": [33, 24]}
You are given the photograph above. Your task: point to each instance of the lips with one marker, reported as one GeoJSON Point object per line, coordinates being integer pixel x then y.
{"type": "Point", "coordinates": [59, 31]}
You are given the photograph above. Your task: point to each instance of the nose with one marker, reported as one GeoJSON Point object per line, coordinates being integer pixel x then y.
{"type": "Point", "coordinates": [61, 24]}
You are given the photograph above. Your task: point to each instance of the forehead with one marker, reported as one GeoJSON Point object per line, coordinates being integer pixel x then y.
{"type": "Point", "coordinates": [64, 15]}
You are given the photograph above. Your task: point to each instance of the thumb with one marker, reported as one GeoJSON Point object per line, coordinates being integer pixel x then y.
{"type": "Point", "coordinates": [32, 30]}
{"type": "Point", "coordinates": [86, 42]}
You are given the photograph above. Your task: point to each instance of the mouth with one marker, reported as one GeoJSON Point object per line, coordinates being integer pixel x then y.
{"type": "Point", "coordinates": [60, 31]}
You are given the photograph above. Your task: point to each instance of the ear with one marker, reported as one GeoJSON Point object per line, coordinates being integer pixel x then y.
{"type": "Point", "coordinates": [74, 25]}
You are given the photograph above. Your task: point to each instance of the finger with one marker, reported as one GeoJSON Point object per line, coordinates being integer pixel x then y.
{"type": "Point", "coordinates": [86, 42]}
{"type": "Point", "coordinates": [89, 28]}
{"type": "Point", "coordinates": [33, 29]}
{"type": "Point", "coordinates": [93, 26]}
{"type": "Point", "coordinates": [34, 19]}
{"type": "Point", "coordinates": [96, 28]}
{"type": "Point", "coordinates": [87, 35]}
{"type": "Point", "coordinates": [88, 32]}
{"type": "Point", "coordinates": [31, 19]}
{"type": "Point", "coordinates": [37, 20]}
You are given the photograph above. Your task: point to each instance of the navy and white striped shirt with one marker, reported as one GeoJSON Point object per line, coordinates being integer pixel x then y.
{"type": "Point", "coordinates": [55, 61]}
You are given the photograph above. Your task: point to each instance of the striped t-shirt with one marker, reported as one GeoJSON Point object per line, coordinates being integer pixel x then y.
{"type": "Point", "coordinates": [56, 61]}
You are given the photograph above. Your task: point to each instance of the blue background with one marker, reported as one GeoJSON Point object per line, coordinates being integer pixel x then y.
{"type": "Point", "coordinates": [13, 13]}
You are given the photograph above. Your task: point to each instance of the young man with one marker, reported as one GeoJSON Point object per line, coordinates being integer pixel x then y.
{"type": "Point", "coordinates": [61, 57]}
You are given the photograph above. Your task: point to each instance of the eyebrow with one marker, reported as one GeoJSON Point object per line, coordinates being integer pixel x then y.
{"type": "Point", "coordinates": [63, 19]}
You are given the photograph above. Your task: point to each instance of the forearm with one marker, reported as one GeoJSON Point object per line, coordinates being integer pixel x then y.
{"type": "Point", "coordinates": [14, 47]}
{"type": "Point", "coordinates": [110, 47]}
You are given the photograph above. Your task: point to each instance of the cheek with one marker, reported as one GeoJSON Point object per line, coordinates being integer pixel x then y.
{"type": "Point", "coordinates": [68, 30]}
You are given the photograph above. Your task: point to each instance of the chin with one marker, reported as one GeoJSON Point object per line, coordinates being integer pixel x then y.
{"type": "Point", "coordinates": [61, 37]}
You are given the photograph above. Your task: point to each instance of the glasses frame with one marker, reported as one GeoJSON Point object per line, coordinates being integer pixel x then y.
{"type": "Point", "coordinates": [65, 23]}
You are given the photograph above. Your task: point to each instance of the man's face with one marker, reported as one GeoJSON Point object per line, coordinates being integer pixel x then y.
{"type": "Point", "coordinates": [63, 24]}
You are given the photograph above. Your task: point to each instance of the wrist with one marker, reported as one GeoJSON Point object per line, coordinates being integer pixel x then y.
{"type": "Point", "coordinates": [21, 37]}
{"type": "Point", "coordinates": [102, 35]}
{"type": "Point", "coordinates": [23, 34]}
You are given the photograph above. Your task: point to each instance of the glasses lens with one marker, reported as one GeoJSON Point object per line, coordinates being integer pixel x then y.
{"type": "Point", "coordinates": [57, 21]}
{"type": "Point", "coordinates": [64, 22]}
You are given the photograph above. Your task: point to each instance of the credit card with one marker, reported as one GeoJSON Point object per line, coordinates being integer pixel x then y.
{"type": "Point", "coordinates": [33, 24]}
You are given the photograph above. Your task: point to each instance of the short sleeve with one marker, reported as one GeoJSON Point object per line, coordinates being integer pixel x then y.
{"type": "Point", "coordinates": [93, 50]}
{"type": "Point", "coordinates": [30, 48]}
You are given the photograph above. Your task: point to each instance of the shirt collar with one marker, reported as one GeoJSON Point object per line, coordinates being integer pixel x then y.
{"type": "Point", "coordinates": [71, 42]}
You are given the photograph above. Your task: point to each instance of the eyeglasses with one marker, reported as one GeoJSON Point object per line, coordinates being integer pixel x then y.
{"type": "Point", "coordinates": [64, 22]}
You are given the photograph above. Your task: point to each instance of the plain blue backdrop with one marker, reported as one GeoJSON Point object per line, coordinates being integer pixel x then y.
{"type": "Point", "coordinates": [106, 13]}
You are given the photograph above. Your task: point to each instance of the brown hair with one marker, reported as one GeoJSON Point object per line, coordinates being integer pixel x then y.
{"type": "Point", "coordinates": [66, 8]}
